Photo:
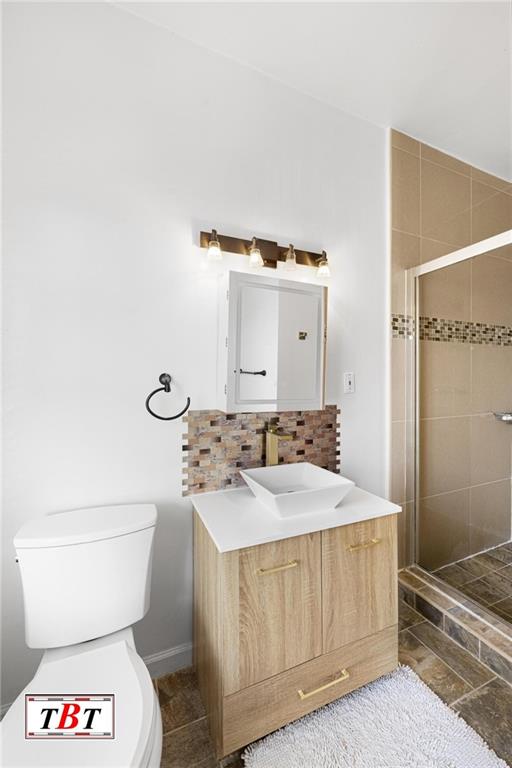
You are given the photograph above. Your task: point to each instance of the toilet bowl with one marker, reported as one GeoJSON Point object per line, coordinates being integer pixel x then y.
{"type": "Point", "coordinates": [108, 665]}
{"type": "Point", "coordinates": [105, 553]}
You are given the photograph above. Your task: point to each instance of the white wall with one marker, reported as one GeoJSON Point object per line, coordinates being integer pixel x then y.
{"type": "Point", "coordinates": [121, 141]}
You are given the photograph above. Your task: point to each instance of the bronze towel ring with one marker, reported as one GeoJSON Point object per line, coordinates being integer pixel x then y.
{"type": "Point", "coordinates": [165, 379]}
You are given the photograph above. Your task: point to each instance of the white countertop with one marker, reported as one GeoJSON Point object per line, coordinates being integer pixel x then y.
{"type": "Point", "coordinates": [236, 519]}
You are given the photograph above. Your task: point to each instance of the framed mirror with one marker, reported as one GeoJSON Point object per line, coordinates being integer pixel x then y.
{"type": "Point", "coordinates": [272, 334]}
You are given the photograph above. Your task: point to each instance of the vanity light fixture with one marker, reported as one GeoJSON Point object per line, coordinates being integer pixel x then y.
{"type": "Point", "coordinates": [322, 269]}
{"type": "Point", "coordinates": [255, 258]}
{"type": "Point", "coordinates": [262, 253]}
{"type": "Point", "coordinates": [290, 262]}
{"type": "Point", "coordinates": [214, 252]}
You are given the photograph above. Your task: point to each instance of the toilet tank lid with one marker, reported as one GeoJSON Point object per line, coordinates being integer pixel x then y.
{"type": "Point", "coordinates": [83, 525]}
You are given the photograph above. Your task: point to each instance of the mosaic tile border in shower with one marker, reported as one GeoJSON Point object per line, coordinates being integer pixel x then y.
{"type": "Point", "coordinates": [217, 446]}
{"type": "Point", "coordinates": [402, 326]}
{"type": "Point", "coordinates": [465, 332]}
{"type": "Point", "coordinates": [460, 331]}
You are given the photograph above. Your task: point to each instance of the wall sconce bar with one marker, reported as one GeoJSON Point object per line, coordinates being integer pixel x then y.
{"type": "Point", "coordinates": [271, 252]}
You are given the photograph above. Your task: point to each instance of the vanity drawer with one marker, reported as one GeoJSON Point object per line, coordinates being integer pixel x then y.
{"type": "Point", "coordinates": [359, 578]}
{"type": "Point", "coordinates": [254, 712]}
{"type": "Point", "coordinates": [273, 601]}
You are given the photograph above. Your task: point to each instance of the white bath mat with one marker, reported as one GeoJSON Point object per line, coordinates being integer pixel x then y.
{"type": "Point", "coordinates": [394, 722]}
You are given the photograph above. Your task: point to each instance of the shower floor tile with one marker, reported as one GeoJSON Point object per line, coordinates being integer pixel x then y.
{"type": "Point", "coordinates": [504, 608]}
{"type": "Point", "coordinates": [454, 575]}
{"type": "Point", "coordinates": [486, 578]}
{"type": "Point", "coordinates": [504, 554]}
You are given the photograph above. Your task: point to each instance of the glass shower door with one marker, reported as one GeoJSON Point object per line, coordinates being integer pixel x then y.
{"type": "Point", "coordinates": [464, 377]}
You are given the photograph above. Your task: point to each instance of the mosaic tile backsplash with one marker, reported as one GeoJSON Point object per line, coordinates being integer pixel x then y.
{"type": "Point", "coordinates": [461, 331]}
{"type": "Point", "coordinates": [217, 446]}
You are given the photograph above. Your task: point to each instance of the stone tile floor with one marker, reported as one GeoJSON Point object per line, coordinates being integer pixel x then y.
{"type": "Point", "coordinates": [486, 578]}
{"type": "Point", "coordinates": [466, 685]}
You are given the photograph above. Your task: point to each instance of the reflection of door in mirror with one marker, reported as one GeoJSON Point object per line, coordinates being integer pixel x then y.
{"type": "Point", "coordinates": [299, 358]}
{"type": "Point", "coordinates": [258, 350]}
{"type": "Point", "coordinates": [271, 344]}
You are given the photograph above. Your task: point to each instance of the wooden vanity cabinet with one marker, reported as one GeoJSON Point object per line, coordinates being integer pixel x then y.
{"type": "Point", "coordinates": [284, 627]}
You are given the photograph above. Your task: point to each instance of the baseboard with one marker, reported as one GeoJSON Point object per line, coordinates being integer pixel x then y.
{"type": "Point", "coordinates": [169, 660]}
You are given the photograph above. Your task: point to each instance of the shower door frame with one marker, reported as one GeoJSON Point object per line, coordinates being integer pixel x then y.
{"type": "Point", "coordinates": [412, 387]}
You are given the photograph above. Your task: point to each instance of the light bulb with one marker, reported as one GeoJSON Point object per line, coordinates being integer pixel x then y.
{"type": "Point", "coordinates": [214, 252]}
{"type": "Point", "coordinates": [255, 259]}
{"type": "Point", "coordinates": [322, 269]}
{"type": "Point", "coordinates": [291, 260]}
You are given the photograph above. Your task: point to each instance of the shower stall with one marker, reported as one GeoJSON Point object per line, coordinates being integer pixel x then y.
{"type": "Point", "coordinates": [459, 422]}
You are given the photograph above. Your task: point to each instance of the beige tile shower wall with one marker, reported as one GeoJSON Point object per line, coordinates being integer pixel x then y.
{"type": "Point", "coordinates": [440, 204]}
{"type": "Point", "coordinates": [217, 446]}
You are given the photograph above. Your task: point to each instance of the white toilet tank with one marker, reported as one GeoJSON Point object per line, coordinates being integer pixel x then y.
{"type": "Point", "coordinates": [85, 573]}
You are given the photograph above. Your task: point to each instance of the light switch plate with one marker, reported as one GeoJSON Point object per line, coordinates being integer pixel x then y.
{"type": "Point", "coordinates": [349, 383]}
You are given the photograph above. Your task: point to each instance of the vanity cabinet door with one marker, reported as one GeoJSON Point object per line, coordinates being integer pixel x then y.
{"type": "Point", "coordinates": [359, 572]}
{"type": "Point", "coordinates": [273, 615]}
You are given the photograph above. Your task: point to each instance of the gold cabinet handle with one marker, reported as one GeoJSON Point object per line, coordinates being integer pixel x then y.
{"type": "Point", "coordinates": [344, 675]}
{"type": "Point", "coordinates": [363, 545]}
{"type": "Point", "coordinates": [277, 568]}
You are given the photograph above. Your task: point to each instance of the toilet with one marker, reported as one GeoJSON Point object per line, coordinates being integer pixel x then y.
{"type": "Point", "coordinates": [86, 581]}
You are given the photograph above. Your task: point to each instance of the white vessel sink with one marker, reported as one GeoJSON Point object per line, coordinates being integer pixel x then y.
{"type": "Point", "coordinates": [296, 489]}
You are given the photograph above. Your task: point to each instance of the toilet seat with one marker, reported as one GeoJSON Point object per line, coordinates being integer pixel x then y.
{"type": "Point", "coordinates": [107, 665]}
